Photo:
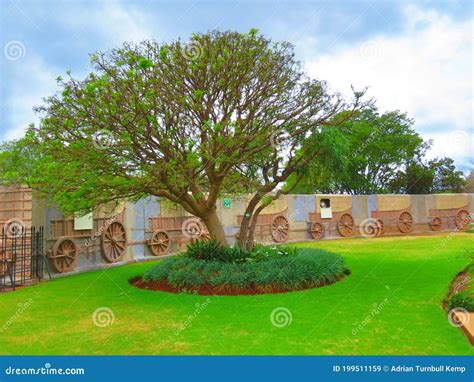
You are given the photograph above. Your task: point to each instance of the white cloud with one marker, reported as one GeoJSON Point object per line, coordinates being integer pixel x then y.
{"type": "Point", "coordinates": [425, 71]}
{"type": "Point", "coordinates": [456, 144]}
{"type": "Point", "coordinates": [31, 79]}
{"type": "Point", "coordinates": [111, 22]}
{"type": "Point", "coordinates": [31, 82]}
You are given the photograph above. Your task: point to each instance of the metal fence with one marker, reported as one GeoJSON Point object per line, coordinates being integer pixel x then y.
{"type": "Point", "coordinates": [22, 258]}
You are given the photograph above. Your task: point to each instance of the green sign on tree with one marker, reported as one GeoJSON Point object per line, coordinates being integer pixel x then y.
{"type": "Point", "coordinates": [227, 202]}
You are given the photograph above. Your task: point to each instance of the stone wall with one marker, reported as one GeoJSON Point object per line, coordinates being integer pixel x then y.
{"type": "Point", "coordinates": [138, 227]}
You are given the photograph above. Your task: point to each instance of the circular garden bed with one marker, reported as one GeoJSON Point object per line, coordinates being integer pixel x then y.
{"type": "Point", "coordinates": [208, 269]}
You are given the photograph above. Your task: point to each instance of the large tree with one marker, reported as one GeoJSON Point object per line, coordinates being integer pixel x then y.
{"type": "Point", "coordinates": [224, 113]}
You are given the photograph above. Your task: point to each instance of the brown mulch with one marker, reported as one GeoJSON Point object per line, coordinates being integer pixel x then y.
{"type": "Point", "coordinates": [223, 290]}
{"type": "Point", "coordinates": [459, 283]}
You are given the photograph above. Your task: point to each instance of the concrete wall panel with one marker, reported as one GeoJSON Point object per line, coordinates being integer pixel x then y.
{"type": "Point", "coordinates": [471, 203]}
{"type": "Point", "coordinates": [419, 211]}
{"type": "Point", "coordinates": [391, 202]}
{"type": "Point", "coordinates": [448, 201]}
{"type": "Point", "coordinates": [360, 208]}
{"type": "Point", "coordinates": [300, 206]}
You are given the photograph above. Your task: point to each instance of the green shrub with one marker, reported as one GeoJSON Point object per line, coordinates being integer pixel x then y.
{"type": "Point", "coordinates": [204, 250]}
{"type": "Point", "coordinates": [211, 250]}
{"type": "Point", "coordinates": [234, 254]}
{"type": "Point", "coordinates": [463, 299]}
{"type": "Point", "coordinates": [290, 270]}
{"type": "Point", "coordinates": [265, 252]}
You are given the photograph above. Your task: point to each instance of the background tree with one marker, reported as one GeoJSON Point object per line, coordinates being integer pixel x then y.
{"type": "Point", "coordinates": [370, 149]}
{"type": "Point", "coordinates": [322, 173]}
{"type": "Point", "coordinates": [434, 176]}
{"type": "Point", "coordinates": [225, 113]}
{"type": "Point", "coordinates": [416, 178]}
{"type": "Point", "coordinates": [446, 177]}
{"type": "Point", "coordinates": [375, 153]}
{"type": "Point", "coordinates": [470, 182]}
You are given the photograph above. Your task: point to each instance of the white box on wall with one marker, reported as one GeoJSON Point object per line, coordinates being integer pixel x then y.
{"type": "Point", "coordinates": [325, 207]}
{"type": "Point", "coordinates": [83, 222]}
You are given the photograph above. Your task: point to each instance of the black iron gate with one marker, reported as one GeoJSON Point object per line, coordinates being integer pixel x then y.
{"type": "Point", "coordinates": [22, 259]}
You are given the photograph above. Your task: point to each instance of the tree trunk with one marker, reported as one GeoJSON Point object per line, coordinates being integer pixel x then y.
{"type": "Point", "coordinates": [251, 231]}
{"type": "Point", "coordinates": [246, 235]}
{"type": "Point", "coordinates": [214, 225]}
{"type": "Point", "coordinates": [243, 232]}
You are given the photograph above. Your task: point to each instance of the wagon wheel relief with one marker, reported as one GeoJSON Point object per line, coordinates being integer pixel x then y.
{"type": "Point", "coordinates": [436, 224]}
{"type": "Point", "coordinates": [405, 222]}
{"type": "Point", "coordinates": [64, 255]}
{"type": "Point", "coordinates": [316, 231]}
{"type": "Point", "coordinates": [195, 229]}
{"type": "Point", "coordinates": [463, 218]}
{"type": "Point", "coordinates": [204, 235]}
{"type": "Point", "coordinates": [114, 242]}
{"type": "Point", "coordinates": [345, 225]}
{"type": "Point", "coordinates": [280, 229]}
{"type": "Point", "coordinates": [379, 228]}
{"type": "Point", "coordinates": [159, 243]}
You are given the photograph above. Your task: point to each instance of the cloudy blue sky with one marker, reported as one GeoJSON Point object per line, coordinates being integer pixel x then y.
{"type": "Point", "coordinates": [414, 56]}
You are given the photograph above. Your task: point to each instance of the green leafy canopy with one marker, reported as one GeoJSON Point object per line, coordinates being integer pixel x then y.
{"type": "Point", "coordinates": [182, 121]}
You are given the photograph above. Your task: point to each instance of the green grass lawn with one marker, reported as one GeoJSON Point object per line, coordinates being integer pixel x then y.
{"type": "Point", "coordinates": [390, 304]}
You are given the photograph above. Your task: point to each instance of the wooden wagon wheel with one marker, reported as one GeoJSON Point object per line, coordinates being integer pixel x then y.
{"type": "Point", "coordinates": [114, 242]}
{"type": "Point", "coordinates": [345, 225]}
{"type": "Point", "coordinates": [405, 222]}
{"type": "Point", "coordinates": [463, 218]}
{"type": "Point", "coordinates": [64, 255]}
{"type": "Point", "coordinates": [316, 231]}
{"type": "Point", "coordinates": [380, 228]}
{"type": "Point", "coordinates": [205, 235]}
{"type": "Point", "coordinates": [280, 229]}
{"type": "Point", "coordinates": [436, 224]}
{"type": "Point", "coordinates": [159, 243]}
